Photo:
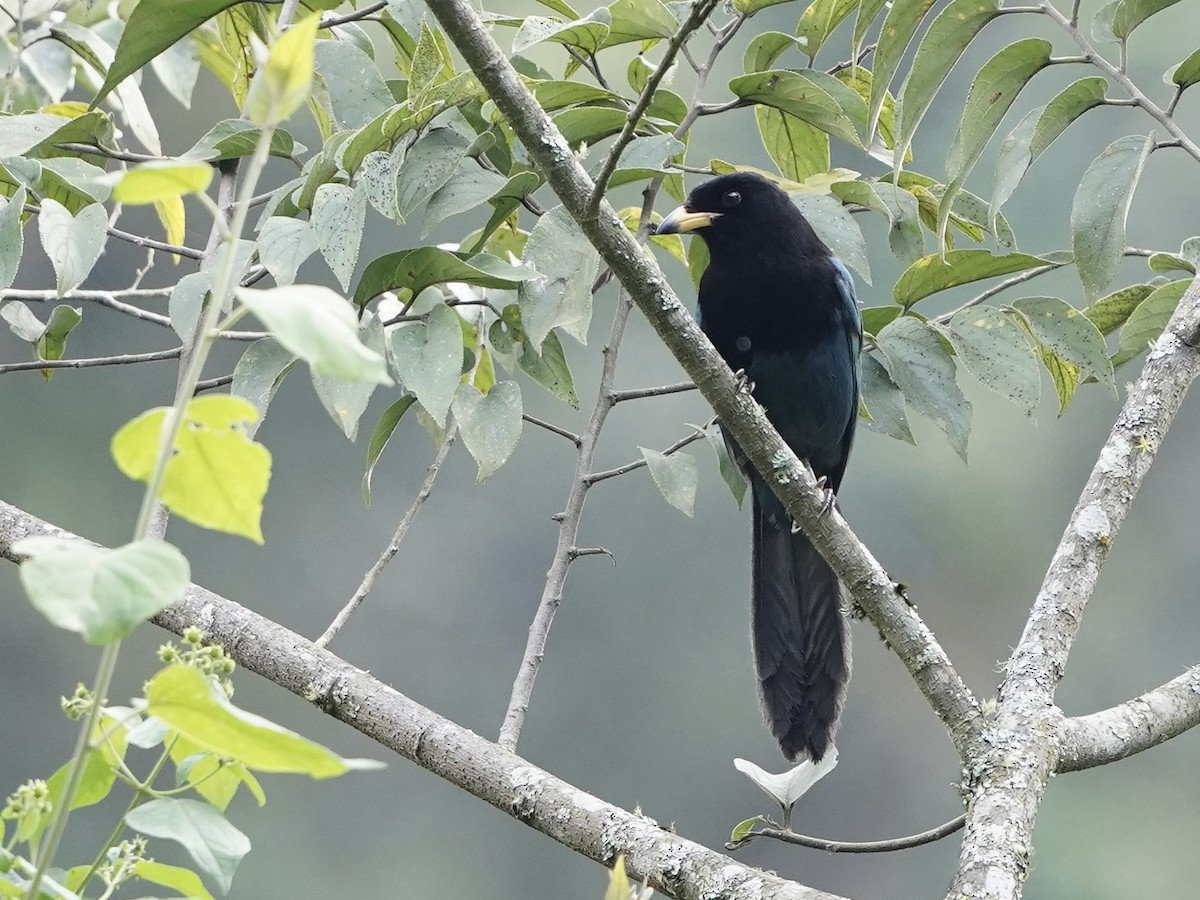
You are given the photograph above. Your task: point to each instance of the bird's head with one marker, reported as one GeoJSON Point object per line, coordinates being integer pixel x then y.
{"type": "Point", "coordinates": [739, 211]}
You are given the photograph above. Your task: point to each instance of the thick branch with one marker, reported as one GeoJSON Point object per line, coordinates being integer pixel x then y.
{"type": "Point", "coordinates": [586, 824]}
{"type": "Point", "coordinates": [1131, 727]}
{"type": "Point", "coordinates": [869, 584]}
{"type": "Point", "coordinates": [1019, 752]}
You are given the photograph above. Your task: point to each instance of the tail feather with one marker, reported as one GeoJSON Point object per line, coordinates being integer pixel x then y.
{"type": "Point", "coordinates": [801, 647]}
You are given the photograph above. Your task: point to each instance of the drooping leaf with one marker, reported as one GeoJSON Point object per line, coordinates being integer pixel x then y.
{"type": "Point", "coordinates": [730, 473]}
{"type": "Point", "coordinates": [798, 148]}
{"type": "Point", "coordinates": [258, 375]}
{"type": "Point", "coordinates": [883, 401]}
{"type": "Point", "coordinates": [346, 399]}
{"type": "Point", "coordinates": [357, 91]}
{"type": "Point", "coordinates": [549, 369]}
{"type": "Point", "coordinates": [1148, 320]}
{"type": "Point", "coordinates": [934, 273]}
{"type": "Point", "coordinates": [798, 94]}
{"type": "Point", "coordinates": [997, 353]}
{"type": "Point", "coordinates": [422, 267]}
{"type": "Point", "coordinates": [73, 243]}
{"type": "Point", "coordinates": [1187, 73]}
{"type": "Point", "coordinates": [320, 327]}
{"type": "Point", "coordinates": [1069, 334]}
{"type": "Point", "coordinates": [185, 881]}
{"type": "Point", "coordinates": [948, 36]}
{"type": "Point", "coordinates": [901, 23]}
{"type": "Point", "coordinates": [992, 93]}
{"type": "Point", "coordinates": [1109, 313]}
{"type": "Point", "coordinates": [1038, 130]}
{"type": "Point", "coordinates": [216, 476]}
{"type": "Point", "coordinates": [427, 166]}
{"type": "Point", "coordinates": [101, 594]}
{"type": "Point", "coordinates": [490, 423]}
{"type": "Point", "coordinates": [338, 215]}
{"type": "Point", "coordinates": [924, 370]}
{"type": "Point", "coordinates": [1100, 208]}
{"type": "Point", "coordinates": [1129, 14]}
{"type": "Point", "coordinates": [429, 358]}
{"type": "Point", "coordinates": [12, 239]}
{"type": "Point", "coordinates": [639, 20]}
{"type": "Point", "coordinates": [586, 34]}
{"type": "Point", "coordinates": [819, 20]}
{"type": "Point", "coordinates": [561, 295]}
{"type": "Point", "coordinates": [283, 245]}
{"type": "Point", "coordinates": [676, 477]}
{"type": "Point", "coordinates": [154, 181]}
{"type": "Point", "coordinates": [216, 847]}
{"type": "Point", "coordinates": [384, 429]}
{"type": "Point", "coordinates": [52, 344]}
{"type": "Point", "coordinates": [281, 86]}
{"type": "Point", "coordinates": [837, 229]}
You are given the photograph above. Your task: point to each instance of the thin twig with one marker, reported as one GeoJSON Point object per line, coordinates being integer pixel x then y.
{"type": "Point", "coordinates": [641, 463]}
{"type": "Point", "coordinates": [886, 846]}
{"type": "Point", "coordinates": [699, 14]}
{"type": "Point", "coordinates": [995, 289]}
{"type": "Point", "coordinates": [140, 241]}
{"type": "Point", "coordinates": [355, 16]}
{"type": "Point", "coordinates": [660, 391]}
{"type": "Point", "coordinates": [118, 360]}
{"type": "Point", "coordinates": [552, 428]}
{"type": "Point", "coordinates": [393, 546]}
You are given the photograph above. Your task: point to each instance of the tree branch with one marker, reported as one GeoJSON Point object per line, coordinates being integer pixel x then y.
{"type": "Point", "coordinates": [1131, 727]}
{"type": "Point", "coordinates": [583, 822]}
{"type": "Point", "coordinates": [1017, 755]}
{"type": "Point", "coordinates": [869, 584]}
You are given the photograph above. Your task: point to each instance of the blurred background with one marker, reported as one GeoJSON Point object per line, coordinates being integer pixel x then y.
{"type": "Point", "coordinates": [647, 691]}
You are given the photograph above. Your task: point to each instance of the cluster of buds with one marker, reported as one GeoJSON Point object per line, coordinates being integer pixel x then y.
{"type": "Point", "coordinates": [208, 658]}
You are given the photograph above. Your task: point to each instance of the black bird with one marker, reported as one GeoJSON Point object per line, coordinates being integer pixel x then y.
{"type": "Point", "coordinates": [780, 307]}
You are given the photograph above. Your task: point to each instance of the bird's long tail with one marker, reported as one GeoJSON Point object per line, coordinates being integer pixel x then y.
{"type": "Point", "coordinates": [801, 646]}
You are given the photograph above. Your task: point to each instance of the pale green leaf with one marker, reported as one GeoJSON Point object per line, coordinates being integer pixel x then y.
{"type": "Point", "coordinates": [185, 881]}
{"type": "Point", "coordinates": [427, 166]}
{"type": "Point", "coordinates": [1109, 313]}
{"type": "Point", "coordinates": [1066, 332]}
{"type": "Point", "coordinates": [490, 423]}
{"type": "Point", "coordinates": [800, 95]}
{"type": "Point", "coordinates": [561, 295]}
{"type": "Point", "coordinates": [320, 327]}
{"type": "Point", "coordinates": [997, 353]}
{"type": "Point", "coordinates": [901, 23]}
{"type": "Point", "coordinates": [338, 215]}
{"type": "Point", "coordinates": [586, 35]}
{"type": "Point", "coordinates": [73, 243]}
{"type": "Point", "coordinates": [283, 245]}
{"type": "Point", "coordinates": [934, 273]}
{"type": "Point", "coordinates": [639, 20]}
{"type": "Point", "coordinates": [154, 181]}
{"type": "Point", "coordinates": [1187, 73]}
{"type": "Point", "coordinates": [676, 477]}
{"type": "Point", "coordinates": [882, 401]}
{"type": "Point", "coordinates": [429, 359]}
{"type": "Point", "coordinates": [466, 189]}
{"type": "Point", "coordinates": [1100, 208]}
{"type": "Point", "coordinates": [767, 47]}
{"type": "Point", "coordinates": [101, 594]}
{"type": "Point", "coordinates": [1148, 320]}
{"type": "Point", "coordinates": [12, 239]}
{"type": "Point", "coordinates": [836, 227]}
{"type": "Point", "coordinates": [346, 399]}
{"type": "Point", "coordinates": [924, 370]}
{"type": "Point", "coordinates": [215, 846]}
{"type": "Point", "coordinates": [819, 20]}
{"type": "Point", "coordinates": [384, 429]}
{"type": "Point", "coordinates": [21, 320]}
{"type": "Point", "coordinates": [258, 374]}
{"type": "Point", "coordinates": [281, 86]}
{"type": "Point", "coordinates": [549, 369]}
{"type": "Point", "coordinates": [730, 473]}
{"type": "Point", "coordinates": [357, 91]}
{"type": "Point", "coordinates": [797, 148]}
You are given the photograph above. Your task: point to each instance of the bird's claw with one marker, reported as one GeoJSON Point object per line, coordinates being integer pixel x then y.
{"type": "Point", "coordinates": [744, 384]}
{"type": "Point", "coordinates": [830, 498]}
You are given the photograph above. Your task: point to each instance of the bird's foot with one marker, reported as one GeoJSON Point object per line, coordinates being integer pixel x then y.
{"type": "Point", "coordinates": [744, 384]}
{"type": "Point", "coordinates": [830, 498]}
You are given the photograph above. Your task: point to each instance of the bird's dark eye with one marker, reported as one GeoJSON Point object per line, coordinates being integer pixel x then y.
{"type": "Point", "coordinates": [732, 199]}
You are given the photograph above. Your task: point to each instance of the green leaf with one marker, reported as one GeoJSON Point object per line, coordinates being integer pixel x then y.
{"type": "Point", "coordinates": [153, 26]}
{"type": "Point", "coordinates": [1148, 320]}
{"type": "Point", "coordinates": [676, 477]}
{"type": "Point", "coordinates": [618, 882]}
{"type": "Point", "coordinates": [875, 318]}
{"type": "Point", "coordinates": [1038, 130]}
{"type": "Point", "coordinates": [750, 7]}
{"type": "Point", "coordinates": [882, 401]}
{"type": "Point", "coordinates": [586, 35]}
{"type": "Point", "coordinates": [798, 94]}
{"type": "Point", "coordinates": [898, 205]}
{"type": "Point", "coordinates": [155, 181]}
{"type": "Point", "coordinates": [99, 770]}
{"type": "Point", "coordinates": [185, 881]}
{"type": "Point", "coordinates": [1069, 334]}
{"type": "Point", "coordinates": [765, 49]}
{"type": "Point", "coordinates": [282, 85]}
{"type": "Point", "coordinates": [901, 23]}
{"type": "Point", "coordinates": [1100, 208]}
{"type": "Point", "coordinates": [549, 369]}
{"type": "Point", "coordinates": [429, 359]}
{"type": "Point", "coordinates": [346, 399]}
{"type": "Point", "coordinates": [797, 148]}
{"type": "Point", "coordinates": [214, 778]}
{"type": "Point", "coordinates": [1129, 14]}
{"type": "Point", "coordinates": [934, 273]}
{"type": "Point", "coordinates": [639, 20]}
{"type": "Point", "coordinates": [730, 473]}
{"type": "Point", "coordinates": [465, 190]}
{"type": "Point", "coordinates": [948, 36]}
{"type": "Point", "coordinates": [837, 229]}
{"type": "Point", "coordinates": [21, 320]}
{"type": "Point", "coordinates": [1169, 262]}
{"type": "Point", "coordinates": [213, 843]}
{"type": "Point", "coordinates": [588, 124]}
{"type": "Point", "coordinates": [320, 327]}
{"type": "Point", "coordinates": [1187, 73]}
{"type": "Point", "coordinates": [12, 240]}
{"type": "Point", "coordinates": [338, 215]}
{"type": "Point", "coordinates": [197, 708]}
{"type": "Point", "coordinates": [922, 367]}
{"type": "Point", "coordinates": [427, 166]}
{"type": "Point", "coordinates": [235, 138]}
{"type": "Point", "coordinates": [1064, 375]}
{"type": "Point", "coordinates": [357, 91]}
{"type": "Point", "coordinates": [819, 20]}
{"type": "Point", "coordinates": [992, 93]}
{"type": "Point", "coordinates": [73, 243]}
{"type": "Point", "coordinates": [53, 342]}
{"type": "Point", "coordinates": [997, 353]}
{"type": "Point", "coordinates": [422, 267]}
{"type": "Point", "coordinates": [283, 245]}
{"type": "Point", "coordinates": [384, 429]}
{"type": "Point", "coordinates": [258, 374]}
{"type": "Point", "coordinates": [490, 423]}
{"type": "Point", "coordinates": [743, 828]}
{"type": "Point", "coordinates": [216, 477]}
{"type": "Point", "coordinates": [561, 295]}
{"type": "Point", "coordinates": [1109, 313]}
{"type": "Point", "coordinates": [102, 594]}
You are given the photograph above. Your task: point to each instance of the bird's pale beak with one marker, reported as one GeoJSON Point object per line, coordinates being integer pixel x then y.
{"type": "Point", "coordinates": [681, 221]}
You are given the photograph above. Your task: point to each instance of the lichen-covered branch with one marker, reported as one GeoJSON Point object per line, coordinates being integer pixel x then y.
{"type": "Point", "coordinates": [1019, 749]}
{"type": "Point", "coordinates": [581, 821]}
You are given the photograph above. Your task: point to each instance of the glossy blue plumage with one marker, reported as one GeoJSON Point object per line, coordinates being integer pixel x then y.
{"type": "Point", "coordinates": [781, 308]}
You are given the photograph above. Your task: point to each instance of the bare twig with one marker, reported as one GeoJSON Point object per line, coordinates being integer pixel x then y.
{"type": "Point", "coordinates": [552, 428]}
{"type": "Point", "coordinates": [886, 846]}
{"type": "Point", "coordinates": [393, 546]}
{"type": "Point", "coordinates": [124, 359]}
{"type": "Point", "coordinates": [641, 463]}
{"type": "Point", "coordinates": [660, 391]}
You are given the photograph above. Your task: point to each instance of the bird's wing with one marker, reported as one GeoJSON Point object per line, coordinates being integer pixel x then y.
{"type": "Point", "coordinates": [852, 324]}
